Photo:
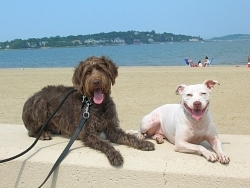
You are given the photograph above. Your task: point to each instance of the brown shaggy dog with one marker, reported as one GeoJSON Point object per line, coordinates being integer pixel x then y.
{"type": "Point", "coordinates": [92, 78]}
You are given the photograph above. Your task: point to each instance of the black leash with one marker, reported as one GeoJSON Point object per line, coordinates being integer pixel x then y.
{"type": "Point", "coordinates": [65, 151]}
{"type": "Point", "coordinates": [85, 116]}
{"type": "Point", "coordinates": [41, 130]}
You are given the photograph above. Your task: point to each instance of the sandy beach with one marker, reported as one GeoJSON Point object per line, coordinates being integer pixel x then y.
{"type": "Point", "coordinates": [138, 90]}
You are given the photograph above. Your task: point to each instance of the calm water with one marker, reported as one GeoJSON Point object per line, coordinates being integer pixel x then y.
{"type": "Point", "coordinates": [223, 53]}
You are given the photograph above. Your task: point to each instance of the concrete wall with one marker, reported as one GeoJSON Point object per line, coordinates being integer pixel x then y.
{"type": "Point", "coordinates": [85, 167]}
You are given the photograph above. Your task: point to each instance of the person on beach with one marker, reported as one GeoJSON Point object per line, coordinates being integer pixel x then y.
{"type": "Point", "coordinates": [205, 61]}
{"type": "Point", "coordinates": [248, 58]}
{"type": "Point", "coordinates": [191, 63]}
{"type": "Point", "coordinates": [200, 64]}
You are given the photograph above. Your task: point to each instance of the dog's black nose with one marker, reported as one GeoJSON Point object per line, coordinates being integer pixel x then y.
{"type": "Point", "coordinates": [197, 104]}
{"type": "Point", "coordinates": [96, 82]}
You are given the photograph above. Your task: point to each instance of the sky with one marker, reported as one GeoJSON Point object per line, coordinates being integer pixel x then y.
{"type": "Point", "coordinates": [24, 19]}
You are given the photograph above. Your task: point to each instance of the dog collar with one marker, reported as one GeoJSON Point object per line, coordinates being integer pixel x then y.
{"type": "Point", "coordinates": [185, 111]}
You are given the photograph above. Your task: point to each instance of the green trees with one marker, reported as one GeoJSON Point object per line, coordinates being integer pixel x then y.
{"type": "Point", "coordinates": [111, 38]}
{"type": "Point", "coordinates": [17, 44]}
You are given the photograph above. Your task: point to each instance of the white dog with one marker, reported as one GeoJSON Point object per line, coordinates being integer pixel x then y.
{"type": "Point", "coordinates": [186, 124]}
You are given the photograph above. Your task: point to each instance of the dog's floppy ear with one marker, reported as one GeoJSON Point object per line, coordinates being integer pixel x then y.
{"type": "Point", "coordinates": [180, 89]}
{"type": "Point", "coordinates": [77, 77]}
{"type": "Point", "coordinates": [112, 69]}
{"type": "Point", "coordinates": [210, 84]}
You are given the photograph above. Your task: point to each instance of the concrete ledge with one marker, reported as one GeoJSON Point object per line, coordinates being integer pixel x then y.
{"type": "Point", "coordinates": [85, 167]}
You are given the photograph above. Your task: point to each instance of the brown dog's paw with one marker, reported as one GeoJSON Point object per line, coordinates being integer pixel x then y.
{"type": "Point", "coordinates": [147, 146]}
{"type": "Point", "coordinates": [115, 158]}
{"type": "Point", "coordinates": [46, 135]}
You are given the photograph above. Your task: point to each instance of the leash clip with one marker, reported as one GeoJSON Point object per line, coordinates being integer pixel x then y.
{"type": "Point", "coordinates": [88, 103]}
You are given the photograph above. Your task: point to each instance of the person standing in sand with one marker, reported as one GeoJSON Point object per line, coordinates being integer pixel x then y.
{"type": "Point", "coordinates": [248, 58]}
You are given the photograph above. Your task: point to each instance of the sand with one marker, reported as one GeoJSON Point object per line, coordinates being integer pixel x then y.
{"type": "Point", "coordinates": [138, 90]}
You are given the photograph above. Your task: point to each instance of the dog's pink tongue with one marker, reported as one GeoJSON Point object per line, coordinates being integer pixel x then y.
{"type": "Point", "coordinates": [197, 114]}
{"type": "Point", "coordinates": [98, 96]}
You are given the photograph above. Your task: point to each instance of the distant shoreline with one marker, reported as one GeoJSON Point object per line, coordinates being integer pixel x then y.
{"type": "Point", "coordinates": [91, 46]}
{"type": "Point", "coordinates": [137, 67]}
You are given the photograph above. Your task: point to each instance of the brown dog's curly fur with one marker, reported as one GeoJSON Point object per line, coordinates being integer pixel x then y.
{"type": "Point", "coordinates": [92, 78]}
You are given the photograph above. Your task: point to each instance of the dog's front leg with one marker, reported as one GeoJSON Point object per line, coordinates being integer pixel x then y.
{"type": "Point", "coordinates": [94, 141]}
{"type": "Point", "coordinates": [216, 145]}
{"type": "Point", "coordinates": [185, 147]}
{"type": "Point", "coordinates": [117, 135]}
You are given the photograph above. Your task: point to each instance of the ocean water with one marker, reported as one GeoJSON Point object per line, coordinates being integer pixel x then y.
{"type": "Point", "coordinates": [167, 54]}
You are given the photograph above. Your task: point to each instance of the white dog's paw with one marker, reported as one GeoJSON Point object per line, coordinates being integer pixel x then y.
{"type": "Point", "coordinates": [140, 136]}
{"type": "Point", "coordinates": [159, 138]}
{"type": "Point", "coordinates": [223, 158]}
{"type": "Point", "coordinates": [210, 156]}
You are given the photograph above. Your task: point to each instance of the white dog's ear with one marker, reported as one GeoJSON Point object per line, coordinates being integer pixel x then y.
{"type": "Point", "coordinates": [210, 84]}
{"type": "Point", "coordinates": [180, 89]}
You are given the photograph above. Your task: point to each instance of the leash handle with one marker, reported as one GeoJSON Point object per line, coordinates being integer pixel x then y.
{"type": "Point", "coordinates": [65, 151]}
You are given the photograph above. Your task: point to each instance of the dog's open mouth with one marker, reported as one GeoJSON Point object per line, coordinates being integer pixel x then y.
{"type": "Point", "coordinates": [196, 113]}
{"type": "Point", "coordinates": [98, 96]}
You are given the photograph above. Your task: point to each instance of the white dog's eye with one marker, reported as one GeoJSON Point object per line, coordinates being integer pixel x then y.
{"type": "Point", "coordinates": [189, 95]}
{"type": "Point", "coordinates": [204, 94]}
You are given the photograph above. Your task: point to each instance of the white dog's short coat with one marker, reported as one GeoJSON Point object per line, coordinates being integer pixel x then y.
{"type": "Point", "coordinates": [186, 124]}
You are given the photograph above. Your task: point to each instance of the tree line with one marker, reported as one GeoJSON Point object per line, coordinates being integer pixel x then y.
{"type": "Point", "coordinates": [111, 38]}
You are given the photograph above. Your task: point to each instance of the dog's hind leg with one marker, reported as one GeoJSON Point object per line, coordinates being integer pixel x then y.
{"type": "Point", "coordinates": [34, 116]}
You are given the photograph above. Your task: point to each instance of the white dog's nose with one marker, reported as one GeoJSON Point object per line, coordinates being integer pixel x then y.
{"type": "Point", "coordinates": [197, 104]}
